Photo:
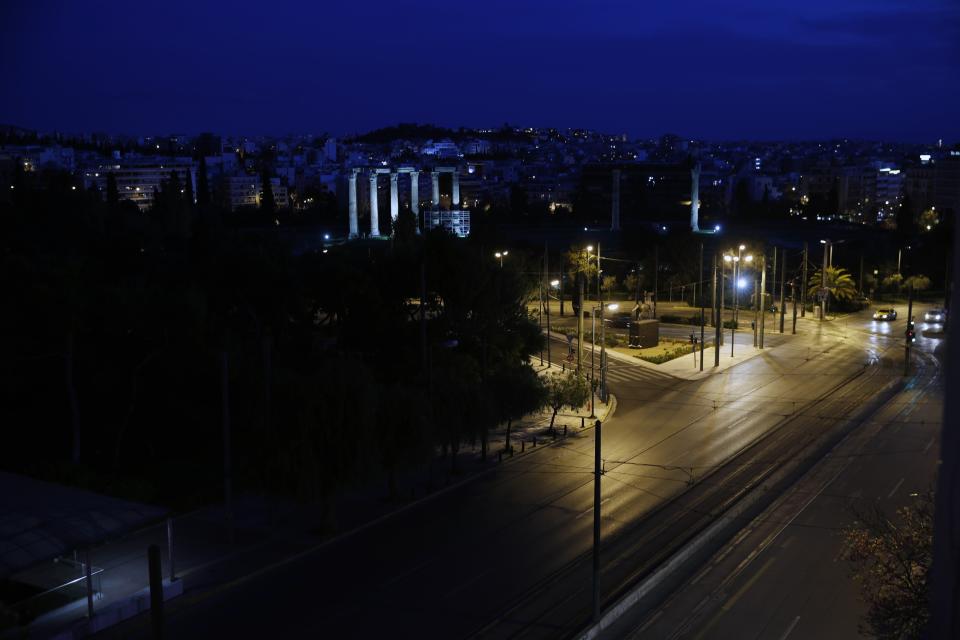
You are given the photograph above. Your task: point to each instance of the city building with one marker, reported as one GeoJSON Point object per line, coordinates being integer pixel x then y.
{"type": "Point", "coordinates": [138, 178]}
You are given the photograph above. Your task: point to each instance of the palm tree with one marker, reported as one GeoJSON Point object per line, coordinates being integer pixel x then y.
{"type": "Point", "coordinates": [839, 284]}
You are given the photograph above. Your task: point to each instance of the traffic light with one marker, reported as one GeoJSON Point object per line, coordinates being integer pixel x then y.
{"type": "Point", "coordinates": [911, 333]}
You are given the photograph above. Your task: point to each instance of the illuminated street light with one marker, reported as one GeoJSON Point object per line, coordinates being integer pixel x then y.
{"type": "Point", "coordinates": [737, 284]}
{"type": "Point", "coordinates": [499, 255]}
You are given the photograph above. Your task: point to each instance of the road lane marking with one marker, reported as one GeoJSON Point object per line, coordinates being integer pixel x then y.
{"type": "Point", "coordinates": [790, 628]}
{"type": "Point", "coordinates": [590, 510]}
{"type": "Point", "coordinates": [895, 487]}
{"type": "Point", "coordinates": [756, 576]}
{"type": "Point", "coordinates": [649, 622]}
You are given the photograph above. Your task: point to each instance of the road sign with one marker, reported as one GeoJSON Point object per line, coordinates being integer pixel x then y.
{"type": "Point", "coordinates": [822, 294]}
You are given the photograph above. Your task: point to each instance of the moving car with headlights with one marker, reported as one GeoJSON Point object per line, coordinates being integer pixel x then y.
{"type": "Point", "coordinates": [935, 315]}
{"type": "Point", "coordinates": [885, 314]}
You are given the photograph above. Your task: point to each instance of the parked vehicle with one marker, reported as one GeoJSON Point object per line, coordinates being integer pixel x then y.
{"type": "Point", "coordinates": [888, 313]}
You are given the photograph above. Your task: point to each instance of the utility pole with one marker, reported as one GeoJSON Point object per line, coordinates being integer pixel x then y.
{"type": "Point", "coordinates": [546, 286]}
{"type": "Point", "coordinates": [909, 332]}
{"type": "Point", "coordinates": [718, 327]}
{"type": "Point", "coordinates": [793, 292]}
{"type": "Point", "coordinates": [656, 277]}
{"type": "Point", "coordinates": [756, 307]}
{"type": "Point", "coordinates": [563, 277]}
{"type": "Point", "coordinates": [638, 285]}
{"type": "Point", "coordinates": [603, 333]}
{"type": "Point", "coordinates": [579, 310]}
{"type": "Point", "coordinates": [713, 300]}
{"type": "Point", "coordinates": [540, 310]}
{"type": "Point", "coordinates": [803, 285]}
{"type": "Point", "coordinates": [823, 281]}
{"type": "Point", "coordinates": [763, 293]}
{"type": "Point", "coordinates": [597, 472]}
{"type": "Point", "coordinates": [723, 302]}
{"type": "Point", "coordinates": [702, 316]}
{"type": "Point", "coordinates": [783, 287]}
{"type": "Point", "coordinates": [773, 282]}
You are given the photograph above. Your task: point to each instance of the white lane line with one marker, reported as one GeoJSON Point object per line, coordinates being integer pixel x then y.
{"type": "Point", "coordinates": [895, 487]}
{"type": "Point", "coordinates": [790, 628]}
{"type": "Point", "coordinates": [590, 510]}
{"type": "Point", "coordinates": [649, 622]}
{"type": "Point", "coordinates": [929, 444]}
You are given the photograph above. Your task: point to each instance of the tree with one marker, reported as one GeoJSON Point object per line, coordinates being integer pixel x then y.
{"type": "Point", "coordinates": [893, 282]}
{"type": "Point", "coordinates": [839, 284]}
{"type": "Point", "coordinates": [891, 561]}
{"type": "Point", "coordinates": [517, 390]}
{"type": "Point", "coordinates": [918, 282]}
{"type": "Point", "coordinates": [566, 390]}
{"type": "Point", "coordinates": [609, 283]}
{"type": "Point", "coordinates": [405, 227]}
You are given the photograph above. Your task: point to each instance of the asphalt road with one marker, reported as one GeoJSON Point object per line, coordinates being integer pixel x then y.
{"type": "Point", "coordinates": [506, 555]}
{"type": "Point", "coordinates": [785, 575]}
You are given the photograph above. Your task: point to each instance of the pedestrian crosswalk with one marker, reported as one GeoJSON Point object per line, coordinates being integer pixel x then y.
{"type": "Point", "coordinates": [622, 372]}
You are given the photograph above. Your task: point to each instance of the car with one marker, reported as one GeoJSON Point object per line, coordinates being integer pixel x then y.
{"type": "Point", "coordinates": [888, 313]}
{"type": "Point", "coordinates": [936, 315]}
{"type": "Point", "coordinates": [619, 321]}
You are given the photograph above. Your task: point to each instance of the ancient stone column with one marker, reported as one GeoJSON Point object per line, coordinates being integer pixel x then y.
{"type": "Point", "coordinates": [456, 190]}
{"type": "Point", "coordinates": [415, 193]}
{"type": "Point", "coordinates": [354, 227]}
{"type": "Point", "coordinates": [435, 200]}
{"type": "Point", "coordinates": [394, 198]}
{"type": "Point", "coordinates": [374, 213]}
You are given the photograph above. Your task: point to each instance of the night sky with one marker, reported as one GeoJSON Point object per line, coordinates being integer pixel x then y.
{"type": "Point", "coordinates": [759, 69]}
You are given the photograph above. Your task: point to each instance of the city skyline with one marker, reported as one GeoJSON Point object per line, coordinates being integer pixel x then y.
{"type": "Point", "coordinates": [776, 73]}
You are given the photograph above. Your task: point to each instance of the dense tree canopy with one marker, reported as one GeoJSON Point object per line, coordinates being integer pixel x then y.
{"type": "Point", "coordinates": [343, 363]}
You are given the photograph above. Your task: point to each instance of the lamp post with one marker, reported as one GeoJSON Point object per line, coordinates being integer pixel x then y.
{"type": "Point", "coordinates": [603, 351]}
{"type": "Point", "coordinates": [734, 261]}
{"type": "Point", "coordinates": [500, 255]}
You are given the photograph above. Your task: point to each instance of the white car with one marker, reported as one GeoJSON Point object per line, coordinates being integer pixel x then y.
{"type": "Point", "coordinates": [935, 315]}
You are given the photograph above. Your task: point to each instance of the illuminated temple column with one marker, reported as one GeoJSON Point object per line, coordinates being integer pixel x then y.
{"type": "Point", "coordinates": [374, 214]}
{"type": "Point", "coordinates": [354, 227]}
{"type": "Point", "coordinates": [435, 199]}
{"type": "Point", "coordinates": [456, 190]}
{"type": "Point", "coordinates": [394, 198]}
{"type": "Point", "coordinates": [415, 193]}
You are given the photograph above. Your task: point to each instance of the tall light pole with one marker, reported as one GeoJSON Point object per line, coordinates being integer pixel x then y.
{"type": "Point", "coordinates": [581, 277]}
{"type": "Point", "coordinates": [823, 279]}
{"type": "Point", "coordinates": [734, 261]}
{"type": "Point", "coordinates": [500, 255]}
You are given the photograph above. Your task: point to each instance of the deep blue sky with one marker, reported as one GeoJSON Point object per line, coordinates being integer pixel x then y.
{"type": "Point", "coordinates": [760, 69]}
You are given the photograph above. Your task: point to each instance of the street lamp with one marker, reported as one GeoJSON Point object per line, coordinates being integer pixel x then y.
{"type": "Point", "coordinates": [499, 255]}
{"type": "Point", "coordinates": [734, 261]}
{"type": "Point", "coordinates": [603, 351]}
